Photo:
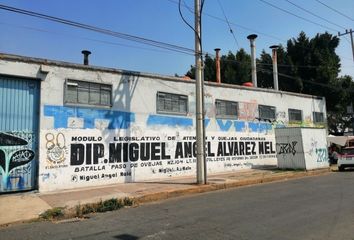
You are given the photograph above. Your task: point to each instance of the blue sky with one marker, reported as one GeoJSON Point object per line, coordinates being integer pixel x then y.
{"type": "Point", "coordinates": [159, 20]}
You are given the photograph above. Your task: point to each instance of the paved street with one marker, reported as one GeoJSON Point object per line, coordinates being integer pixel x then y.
{"type": "Point", "coordinates": [309, 208]}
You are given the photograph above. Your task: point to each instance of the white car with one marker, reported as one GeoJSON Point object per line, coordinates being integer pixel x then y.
{"type": "Point", "coordinates": [346, 158]}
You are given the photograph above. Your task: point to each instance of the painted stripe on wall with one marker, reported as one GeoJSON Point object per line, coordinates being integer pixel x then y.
{"type": "Point", "coordinates": [117, 119]}
{"type": "Point", "coordinates": [224, 125]}
{"type": "Point", "coordinates": [169, 121]}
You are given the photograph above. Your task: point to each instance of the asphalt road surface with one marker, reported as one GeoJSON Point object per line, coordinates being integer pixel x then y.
{"type": "Point", "coordinates": [308, 208]}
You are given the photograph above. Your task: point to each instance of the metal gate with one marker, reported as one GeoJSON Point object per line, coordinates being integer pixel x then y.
{"type": "Point", "coordinates": [19, 119]}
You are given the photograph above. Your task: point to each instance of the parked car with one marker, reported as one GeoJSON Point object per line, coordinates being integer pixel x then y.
{"type": "Point", "coordinates": [346, 158]}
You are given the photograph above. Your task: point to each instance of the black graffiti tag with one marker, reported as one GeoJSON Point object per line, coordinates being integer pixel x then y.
{"type": "Point", "coordinates": [11, 158]}
{"type": "Point", "coordinates": [287, 148]}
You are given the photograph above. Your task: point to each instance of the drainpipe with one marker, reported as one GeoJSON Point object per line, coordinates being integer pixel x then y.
{"type": "Point", "coordinates": [86, 55]}
{"type": "Point", "coordinates": [217, 63]}
{"type": "Point", "coordinates": [275, 66]}
{"type": "Point", "coordinates": [252, 38]}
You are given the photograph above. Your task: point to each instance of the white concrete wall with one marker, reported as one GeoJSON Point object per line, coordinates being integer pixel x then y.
{"type": "Point", "coordinates": [75, 142]}
{"type": "Point", "coordinates": [301, 148]}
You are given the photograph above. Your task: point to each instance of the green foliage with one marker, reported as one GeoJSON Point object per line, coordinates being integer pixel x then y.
{"type": "Point", "coordinates": [264, 76]}
{"type": "Point", "coordinates": [53, 213]}
{"type": "Point", "coordinates": [103, 206]}
{"type": "Point", "coordinates": [307, 65]}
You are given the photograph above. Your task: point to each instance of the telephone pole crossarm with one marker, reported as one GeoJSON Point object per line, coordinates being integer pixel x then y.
{"type": "Point", "coordinates": [350, 32]}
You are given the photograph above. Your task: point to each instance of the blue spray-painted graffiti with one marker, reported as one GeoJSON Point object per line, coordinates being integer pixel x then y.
{"type": "Point", "coordinates": [242, 126]}
{"type": "Point", "coordinates": [321, 154]}
{"type": "Point", "coordinates": [116, 119]}
{"type": "Point", "coordinates": [224, 125]}
{"type": "Point", "coordinates": [14, 152]}
{"type": "Point", "coordinates": [260, 126]}
{"type": "Point", "coordinates": [169, 121]}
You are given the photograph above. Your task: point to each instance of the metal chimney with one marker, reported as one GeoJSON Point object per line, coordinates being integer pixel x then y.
{"type": "Point", "coordinates": [86, 55]}
{"type": "Point", "coordinates": [252, 38]}
{"type": "Point", "coordinates": [217, 63]}
{"type": "Point", "coordinates": [275, 66]}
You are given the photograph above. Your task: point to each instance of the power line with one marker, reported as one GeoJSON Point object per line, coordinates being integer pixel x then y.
{"type": "Point", "coordinates": [86, 38]}
{"type": "Point", "coordinates": [297, 66]}
{"type": "Point", "coordinates": [228, 23]}
{"type": "Point", "coordinates": [183, 19]}
{"type": "Point", "coordinates": [313, 14]}
{"type": "Point", "coordinates": [307, 81]}
{"type": "Point", "coordinates": [340, 13]}
{"type": "Point", "coordinates": [141, 40]}
{"type": "Point", "coordinates": [295, 15]}
{"type": "Point", "coordinates": [125, 36]}
{"type": "Point", "coordinates": [241, 26]}
{"type": "Point", "coordinates": [232, 23]}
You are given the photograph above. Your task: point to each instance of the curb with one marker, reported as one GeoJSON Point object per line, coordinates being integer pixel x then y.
{"type": "Point", "coordinates": [193, 189]}
{"type": "Point", "coordinates": [220, 186]}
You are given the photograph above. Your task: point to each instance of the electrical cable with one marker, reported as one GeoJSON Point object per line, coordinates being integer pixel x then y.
{"type": "Point", "coordinates": [125, 36]}
{"type": "Point", "coordinates": [190, 26]}
{"type": "Point", "coordinates": [232, 23]}
{"type": "Point", "coordinates": [306, 81]}
{"type": "Point", "coordinates": [295, 15]}
{"type": "Point", "coordinates": [150, 42]}
{"type": "Point", "coordinates": [298, 66]}
{"type": "Point", "coordinates": [340, 13]}
{"type": "Point", "coordinates": [86, 38]}
{"type": "Point", "coordinates": [244, 27]}
{"type": "Point", "coordinates": [228, 23]}
{"type": "Point", "coordinates": [183, 19]}
{"type": "Point", "coordinates": [313, 14]}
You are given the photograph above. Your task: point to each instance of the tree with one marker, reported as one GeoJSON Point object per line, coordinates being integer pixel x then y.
{"type": "Point", "coordinates": [234, 69]}
{"type": "Point", "coordinates": [338, 118]}
{"type": "Point", "coordinates": [307, 65]}
{"type": "Point", "coordinates": [243, 67]}
{"type": "Point", "coordinates": [315, 64]}
{"type": "Point", "coordinates": [265, 69]}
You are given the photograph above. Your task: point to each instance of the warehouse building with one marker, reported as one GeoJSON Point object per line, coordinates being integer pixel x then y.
{"type": "Point", "coordinates": [65, 125]}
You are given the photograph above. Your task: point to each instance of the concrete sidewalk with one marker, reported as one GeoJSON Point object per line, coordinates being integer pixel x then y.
{"type": "Point", "coordinates": [22, 207]}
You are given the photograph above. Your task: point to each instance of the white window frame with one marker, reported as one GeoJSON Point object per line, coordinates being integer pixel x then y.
{"type": "Point", "coordinates": [291, 112]}
{"type": "Point", "coordinates": [315, 116]}
{"type": "Point", "coordinates": [91, 89]}
{"type": "Point", "coordinates": [228, 106]}
{"type": "Point", "coordinates": [269, 108]}
{"type": "Point", "coordinates": [170, 99]}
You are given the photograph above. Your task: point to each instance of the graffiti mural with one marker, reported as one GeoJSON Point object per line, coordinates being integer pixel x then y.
{"type": "Point", "coordinates": [321, 154]}
{"type": "Point", "coordinates": [248, 110]}
{"type": "Point", "coordinates": [80, 117]}
{"type": "Point", "coordinates": [287, 148]}
{"type": "Point", "coordinates": [56, 147]}
{"type": "Point", "coordinates": [82, 158]}
{"type": "Point", "coordinates": [15, 154]}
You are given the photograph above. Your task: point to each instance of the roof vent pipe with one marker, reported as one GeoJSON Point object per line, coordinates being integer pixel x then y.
{"type": "Point", "coordinates": [252, 38]}
{"type": "Point", "coordinates": [275, 66]}
{"type": "Point", "coordinates": [217, 63]}
{"type": "Point", "coordinates": [86, 55]}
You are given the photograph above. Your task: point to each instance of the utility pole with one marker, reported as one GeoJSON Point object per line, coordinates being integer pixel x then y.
{"type": "Point", "coordinates": [351, 38]}
{"type": "Point", "coordinates": [352, 41]}
{"type": "Point", "coordinates": [200, 134]}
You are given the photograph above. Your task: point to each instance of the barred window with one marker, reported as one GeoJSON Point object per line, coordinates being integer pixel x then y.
{"type": "Point", "coordinates": [88, 93]}
{"type": "Point", "coordinates": [295, 115]}
{"type": "Point", "coordinates": [171, 103]}
{"type": "Point", "coordinates": [318, 117]}
{"type": "Point", "coordinates": [266, 112]}
{"type": "Point", "coordinates": [226, 109]}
